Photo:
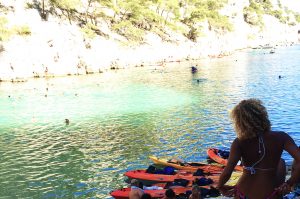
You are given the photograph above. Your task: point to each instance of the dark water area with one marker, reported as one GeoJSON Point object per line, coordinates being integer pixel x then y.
{"type": "Point", "coordinates": [119, 118]}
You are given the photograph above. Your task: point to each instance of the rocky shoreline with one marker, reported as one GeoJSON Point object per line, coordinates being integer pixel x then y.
{"type": "Point", "coordinates": [19, 65]}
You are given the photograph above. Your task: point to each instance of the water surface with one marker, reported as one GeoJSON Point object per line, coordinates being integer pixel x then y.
{"type": "Point", "coordinates": [119, 118]}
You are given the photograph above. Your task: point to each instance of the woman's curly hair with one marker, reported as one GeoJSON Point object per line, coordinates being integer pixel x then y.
{"type": "Point", "coordinates": [250, 119]}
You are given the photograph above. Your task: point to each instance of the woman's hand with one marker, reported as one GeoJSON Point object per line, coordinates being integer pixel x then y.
{"type": "Point", "coordinates": [226, 190]}
{"type": "Point", "coordinates": [283, 189]}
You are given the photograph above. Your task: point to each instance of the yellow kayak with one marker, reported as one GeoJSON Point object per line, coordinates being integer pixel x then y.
{"type": "Point", "coordinates": [189, 166]}
{"type": "Point", "coordinates": [234, 178]}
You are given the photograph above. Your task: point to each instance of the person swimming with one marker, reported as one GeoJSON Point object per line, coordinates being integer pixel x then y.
{"type": "Point", "coordinates": [260, 150]}
{"type": "Point", "coordinates": [194, 69]}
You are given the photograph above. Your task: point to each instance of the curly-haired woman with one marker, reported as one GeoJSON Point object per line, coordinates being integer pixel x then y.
{"type": "Point", "coordinates": [260, 150]}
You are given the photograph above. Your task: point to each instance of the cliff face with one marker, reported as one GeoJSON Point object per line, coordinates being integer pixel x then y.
{"type": "Point", "coordinates": [54, 47]}
{"type": "Point", "coordinates": [247, 35]}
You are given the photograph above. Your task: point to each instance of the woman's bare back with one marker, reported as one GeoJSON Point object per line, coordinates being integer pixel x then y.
{"type": "Point", "coordinates": [264, 158]}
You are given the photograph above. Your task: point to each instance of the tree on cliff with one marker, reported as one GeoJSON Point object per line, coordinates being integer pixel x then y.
{"type": "Point", "coordinates": [133, 18]}
{"type": "Point", "coordinates": [67, 7]}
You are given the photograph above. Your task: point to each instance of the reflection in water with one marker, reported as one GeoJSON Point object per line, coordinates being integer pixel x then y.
{"type": "Point", "coordinates": [118, 119]}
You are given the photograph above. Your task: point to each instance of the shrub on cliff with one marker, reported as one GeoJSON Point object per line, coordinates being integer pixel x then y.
{"type": "Point", "coordinates": [89, 30]}
{"type": "Point", "coordinates": [219, 21]}
{"type": "Point", "coordinates": [128, 30]}
{"type": "Point", "coordinates": [22, 30]}
{"type": "Point", "coordinates": [297, 17]}
{"type": "Point", "coordinates": [251, 16]}
{"type": "Point", "coordinates": [5, 32]}
{"type": "Point", "coordinates": [206, 10]}
{"type": "Point", "coordinates": [279, 15]}
{"type": "Point", "coordinates": [253, 13]}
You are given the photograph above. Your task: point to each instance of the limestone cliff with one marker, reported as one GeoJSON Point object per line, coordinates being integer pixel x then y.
{"type": "Point", "coordinates": [55, 47]}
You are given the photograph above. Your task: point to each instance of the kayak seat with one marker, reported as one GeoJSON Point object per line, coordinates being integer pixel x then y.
{"type": "Point", "coordinates": [224, 154]}
{"type": "Point", "coordinates": [195, 164]}
{"type": "Point", "coordinates": [204, 191]}
{"type": "Point", "coordinates": [179, 182]}
{"type": "Point", "coordinates": [159, 171]}
{"type": "Point", "coordinates": [169, 170]}
{"type": "Point", "coordinates": [203, 181]}
{"type": "Point", "coordinates": [166, 171]}
{"type": "Point", "coordinates": [211, 192]}
{"type": "Point", "coordinates": [151, 169]}
{"type": "Point", "coordinates": [199, 172]}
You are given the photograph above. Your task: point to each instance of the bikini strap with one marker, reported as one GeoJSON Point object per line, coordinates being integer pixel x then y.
{"type": "Point", "coordinates": [251, 169]}
{"type": "Point", "coordinates": [260, 142]}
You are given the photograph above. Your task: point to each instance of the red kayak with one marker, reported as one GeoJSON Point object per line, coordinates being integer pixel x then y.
{"type": "Point", "coordinates": [214, 155]}
{"type": "Point", "coordinates": [160, 193]}
{"type": "Point", "coordinates": [124, 193]}
{"type": "Point", "coordinates": [155, 178]}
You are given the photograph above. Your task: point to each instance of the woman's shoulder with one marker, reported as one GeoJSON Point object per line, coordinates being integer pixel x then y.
{"type": "Point", "coordinates": [278, 133]}
{"type": "Point", "coordinates": [281, 135]}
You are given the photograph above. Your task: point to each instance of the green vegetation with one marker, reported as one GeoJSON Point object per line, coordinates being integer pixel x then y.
{"type": "Point", "coordinates": [88, 30]}
{"type": "Point", "coordinates": [127, 29]}
{"type": "Point", "coordinates": [297, 17]}
{"type": "Point", "coordinates": [67, 7]}
{"type": "Point", "coordinates": [219, 21]}
{"type": "Point", "coordinates": [133, 18]}
{"type": "Point", "coordinates": [206, 10]}
{"type": "Point", "coordinates": [22, 30]}
{"type": "Point", "coordinates": [253, 13]}
{"type": "Point", "coordinates": [279, 15]}
{"type": "Point", "coordinates": [6, 32]}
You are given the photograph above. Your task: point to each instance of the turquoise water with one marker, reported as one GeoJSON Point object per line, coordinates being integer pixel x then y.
{"type": "Point", "coordinates": [119, 118]}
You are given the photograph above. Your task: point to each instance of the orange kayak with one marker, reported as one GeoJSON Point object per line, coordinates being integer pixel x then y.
{"type": "Point", "coordinates": [214, 155]}
{"type": "Point", "coordinates": [156, 178]}
{"type": "Point", "coordinates": [188, 166]}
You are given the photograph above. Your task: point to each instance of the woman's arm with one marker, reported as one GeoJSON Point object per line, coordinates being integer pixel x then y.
{"type": "Point", "coordinates": [293, 150]}
{"type": "Point", "coordinates": [234, 157]}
